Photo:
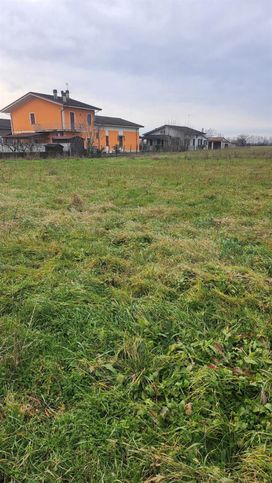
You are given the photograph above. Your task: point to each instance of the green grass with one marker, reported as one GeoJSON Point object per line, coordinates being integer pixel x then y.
{"type": "Point", "coordinates": [135, 319]}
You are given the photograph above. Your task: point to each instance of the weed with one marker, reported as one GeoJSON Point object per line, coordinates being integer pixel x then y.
{"type": "Point", "coordinates": [76, 202]}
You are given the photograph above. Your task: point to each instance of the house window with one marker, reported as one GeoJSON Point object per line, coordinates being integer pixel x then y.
{"type": "Point", "coordinates": [194, 142]}
{"type": "Point", "coordinates": [120, 141]}
{"type": "Point", "coordinates": [72, 120]}
{"type": "Point", "coordinates": [32, 118]}
{"type": "Point", "coordinates": [199, 142]}
{"type": "Point", "coordinates": [89, 119]}
{"type": "Point", "coordinates": [107, 141]}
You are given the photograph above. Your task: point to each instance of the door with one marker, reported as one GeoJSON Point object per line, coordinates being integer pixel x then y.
{"type": "Point", "coordinates": [72, 120]}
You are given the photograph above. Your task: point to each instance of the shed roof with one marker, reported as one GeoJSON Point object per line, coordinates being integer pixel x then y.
{"type": "Point", "coordinates": [218, 139]}
{"type": "Point", "coordinates": [24, 135]}
{"type": "Point", "coordinates": [66, 138]}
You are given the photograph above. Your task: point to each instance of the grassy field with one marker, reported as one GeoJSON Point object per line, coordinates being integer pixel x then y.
{"type": "Point", "coordinates": [135, 319]}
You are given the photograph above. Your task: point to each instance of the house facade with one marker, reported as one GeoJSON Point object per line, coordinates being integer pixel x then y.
{"type": "Point", "coordinates": [174, 138]}
{"type": "Point", "coordinates": [58, 119]}
{"type": "Point", "coordinates": [116, 134]}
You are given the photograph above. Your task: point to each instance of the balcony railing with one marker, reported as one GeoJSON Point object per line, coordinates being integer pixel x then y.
{"type": "Point", "coordinates": [78, 127]}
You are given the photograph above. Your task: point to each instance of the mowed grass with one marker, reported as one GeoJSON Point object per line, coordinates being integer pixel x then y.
{"type": "Point", "coordinates": [135, 319]}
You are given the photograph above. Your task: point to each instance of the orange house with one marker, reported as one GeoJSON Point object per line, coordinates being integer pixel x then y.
{"type": "Point", "coordinates": [46, 119]}
{"type": "Point", "coordinates": [114, 133]}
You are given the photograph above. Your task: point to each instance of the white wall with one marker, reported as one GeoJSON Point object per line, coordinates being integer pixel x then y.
{"type": "Point", "coordinates": [193, 147]}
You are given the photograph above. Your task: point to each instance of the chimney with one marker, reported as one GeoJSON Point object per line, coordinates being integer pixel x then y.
{"type": "Point", "coordinates": [63, 95]}
{"type": "Point", "coordinates": [67, 93]}
{"type": "Point", "coordinates": [55, 94]}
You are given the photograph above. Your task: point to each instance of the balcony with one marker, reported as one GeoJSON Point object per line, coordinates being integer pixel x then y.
{"type": "Point", "coordinates": [48, 127]}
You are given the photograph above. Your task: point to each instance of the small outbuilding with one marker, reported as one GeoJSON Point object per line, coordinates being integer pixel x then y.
{"type": "Point", "coordinates": [72, 145]}
{"type": "Point", "coordinates": [53, 149]}
{"type": "Point", "coordinates": [218, 142]}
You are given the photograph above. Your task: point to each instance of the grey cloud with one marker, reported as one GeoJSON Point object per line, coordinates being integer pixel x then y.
{"type": "Point", "coordinates": [179, 54]}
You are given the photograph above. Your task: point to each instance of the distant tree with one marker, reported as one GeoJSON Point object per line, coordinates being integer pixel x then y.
{"type": "Point", "coordinates": [242, 140]}
{"type": "Point", "coordinates": [210, 132]}
{"type": "Point", "coordinates": [252, 140]}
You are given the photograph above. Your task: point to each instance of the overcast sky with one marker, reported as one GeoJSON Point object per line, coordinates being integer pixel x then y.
{"type": "Point", "coordinates": [203, 63]}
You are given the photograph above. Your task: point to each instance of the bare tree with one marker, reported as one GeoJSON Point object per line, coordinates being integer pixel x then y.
{"type": "Point", "coordinates": [210, 132]}
{"type": "Point", "coordinates": [242, 140]}
{"type": "Point", "coordinates": [93, 135]}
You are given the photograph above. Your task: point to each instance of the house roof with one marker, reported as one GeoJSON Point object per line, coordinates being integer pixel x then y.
{"type": "Point", "coordinates": [165, 137]}
{"type": "Point", "coordinates": [48, 97]}
{"type": "Point", "coordinates": [187, 130]}
{"type": "Point", "coordinates": [114, 121]}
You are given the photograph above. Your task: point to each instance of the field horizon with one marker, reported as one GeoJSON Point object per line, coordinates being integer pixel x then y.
{"type": "Point", "coordinates": [135, 318]}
